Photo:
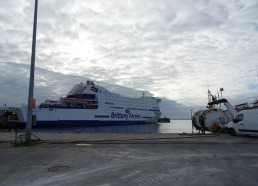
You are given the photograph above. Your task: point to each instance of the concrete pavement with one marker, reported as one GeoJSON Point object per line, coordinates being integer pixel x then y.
{"type": "Point", "coordinates": [130, 159]}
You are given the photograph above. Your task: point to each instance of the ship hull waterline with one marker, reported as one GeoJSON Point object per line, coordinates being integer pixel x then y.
{"type": "Point", "coordinates": [79, 123]}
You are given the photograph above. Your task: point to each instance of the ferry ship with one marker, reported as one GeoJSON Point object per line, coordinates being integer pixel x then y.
{"type": "Point", "coordinates": [91, 104]}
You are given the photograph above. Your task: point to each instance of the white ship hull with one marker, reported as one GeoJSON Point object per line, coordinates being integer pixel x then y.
{"type": "Point", "coordinates": [47, 117]}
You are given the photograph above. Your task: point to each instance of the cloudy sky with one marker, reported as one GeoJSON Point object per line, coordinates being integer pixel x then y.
{"type": "Point", "coordinates": [173, 49]}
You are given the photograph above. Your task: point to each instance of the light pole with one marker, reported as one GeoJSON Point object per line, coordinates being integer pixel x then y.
{"type": "Point", "coordinates": [31, 101]}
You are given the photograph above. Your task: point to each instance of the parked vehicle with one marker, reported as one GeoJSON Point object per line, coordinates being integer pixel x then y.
{"type": "Point", "coordinates": [245, 123]}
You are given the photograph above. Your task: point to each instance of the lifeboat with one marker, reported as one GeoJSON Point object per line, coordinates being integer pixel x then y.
{"type": "Point", "coordinates": [74, 100]}
{"type": "Point", "coordinates": [50, 101]}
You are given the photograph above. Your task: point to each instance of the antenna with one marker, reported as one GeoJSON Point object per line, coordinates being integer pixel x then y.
{"type": "Point", "coordinates": [209, 92]}
{"type": "Point", "coordinates": [208, 82]}
{"type": "Point", "coordinates": [209, 96]}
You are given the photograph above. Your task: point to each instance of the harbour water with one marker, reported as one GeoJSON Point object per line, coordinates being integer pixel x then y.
{"type": "Point", "coordinates": [175, 126]}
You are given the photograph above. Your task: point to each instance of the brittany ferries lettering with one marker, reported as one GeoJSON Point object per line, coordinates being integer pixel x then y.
{"type": "Point", "coordinates": [125, 115]}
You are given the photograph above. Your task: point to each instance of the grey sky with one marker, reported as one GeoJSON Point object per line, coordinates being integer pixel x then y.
{"type": "Point", "coordinates": [173, 49]}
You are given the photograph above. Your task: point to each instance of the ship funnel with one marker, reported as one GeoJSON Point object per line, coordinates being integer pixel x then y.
{"type": "Point", "coordinates": [77, 89]}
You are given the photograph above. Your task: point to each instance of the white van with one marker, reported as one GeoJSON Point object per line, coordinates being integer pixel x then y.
{"type": "Point", "coordinates": [245, 123]}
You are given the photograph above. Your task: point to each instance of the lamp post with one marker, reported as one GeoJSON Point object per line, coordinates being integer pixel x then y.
{"type": "Point", "coordinates": [192, 119]}
{"type": "Point", "coordinates": [31, 101]}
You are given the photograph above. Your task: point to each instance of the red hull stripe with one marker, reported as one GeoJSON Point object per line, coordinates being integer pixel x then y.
{"type": "Point", "coordinates": [101, 116]}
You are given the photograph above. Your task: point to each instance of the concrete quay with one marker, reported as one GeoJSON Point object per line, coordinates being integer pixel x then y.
{"type": "Point", "coordinates": [129, 159]}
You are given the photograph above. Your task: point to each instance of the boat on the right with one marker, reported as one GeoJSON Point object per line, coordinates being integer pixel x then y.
{"type": "Point", "coordinates": [216, 119]}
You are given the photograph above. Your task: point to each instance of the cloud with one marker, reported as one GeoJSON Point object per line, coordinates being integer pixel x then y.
{"type": "Point", "coordinates": [173, 49]}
